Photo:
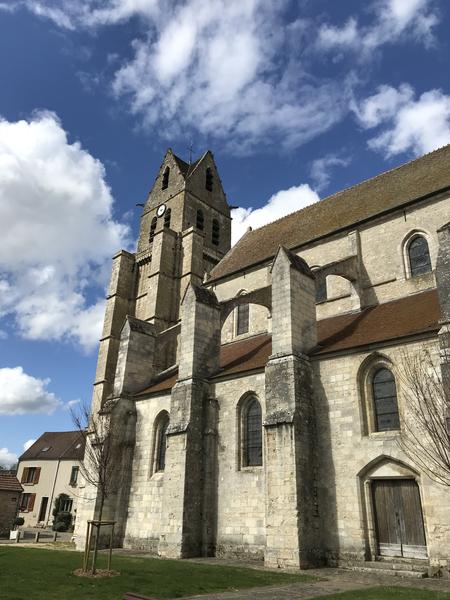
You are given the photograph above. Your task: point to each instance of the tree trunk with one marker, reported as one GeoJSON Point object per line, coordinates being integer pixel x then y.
{"type": "Point", "coordinates": [94, 559]}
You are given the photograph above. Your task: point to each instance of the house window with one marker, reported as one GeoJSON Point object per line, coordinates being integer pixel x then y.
{"type": "Point", "coordinates": [419, 256]}
{"type": "Point", "coordinates": [165, 179]}
{"type": "Point", "coordinates": [27, 502]}
{"type": "Point", "coordinates": [30, 475]}
{"type": "Point", "coordinates": [152, 229]}
{"type": "Point", "coordinates": [162, 423]}
{"type": "Point", "coordinates": [243, 312]}
{"type": "Point", "coordinates": [215, 236]}
{"type": "Point", "coordinates": [74, 476]}
{"type": "Point", "coordinates": [200, 220]}
{"type": "Point", "coordinates": [385, 400]}
{"type": "Point", "coordinates": [167, 216]}
{"type": "Point", "coordinates": [209, 180]}
{"type": "Point", "coordinates": [66, 505]}
{"type": "Point", "coordinates": [252, 434]}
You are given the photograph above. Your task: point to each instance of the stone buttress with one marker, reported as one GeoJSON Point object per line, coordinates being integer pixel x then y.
{"type": "Point", "coordinates": [186, 500]}
{"type": "Point", "coordinates": [292, 527]}
{"type": "Point", "coordinates": [443, 288]}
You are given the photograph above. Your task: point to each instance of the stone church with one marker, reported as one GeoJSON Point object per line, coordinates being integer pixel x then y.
{"type": "Point", "coordinates": [258, 389]}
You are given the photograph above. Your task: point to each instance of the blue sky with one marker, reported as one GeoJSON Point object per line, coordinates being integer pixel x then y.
{"type": "Point", "coordinates": [297, 100]}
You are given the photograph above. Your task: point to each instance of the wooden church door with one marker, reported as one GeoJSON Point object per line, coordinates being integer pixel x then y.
{"type": "Point", "coordinates": [398, 518]}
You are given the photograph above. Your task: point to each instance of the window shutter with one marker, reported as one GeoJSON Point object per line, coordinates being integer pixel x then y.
{"type": "Point", "coordinates": [37, 474]}
{"type": "Point", "coordinates": [24, 475]}
{"type": "Point", "coordinates": [31, 502]}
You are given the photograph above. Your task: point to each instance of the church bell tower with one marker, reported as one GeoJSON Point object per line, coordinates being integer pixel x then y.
{"type": "Point", "coordinates": [185, 231]}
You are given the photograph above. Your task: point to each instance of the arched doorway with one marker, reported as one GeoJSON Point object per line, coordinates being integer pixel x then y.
{"type": "Point", "coordinates": [395, 516]}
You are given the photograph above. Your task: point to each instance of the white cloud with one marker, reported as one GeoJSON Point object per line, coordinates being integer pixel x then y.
{"type": "Point", "coordinates": [408, 125]}
{"type": "Point", "coordinates": [393, 20]}
{"type": "Point", "coordinates": [24, 394]}
{"type": "Point", "coordinates": [279, 205]}
{"type": "Point", "coordinates": [28, 444]}
{"type": "Point", "coordinates": [222, 76]}
{"type": "Point", "coordinates": [57, 232]}
{"type": "Point", "coordinates": [7, 459]}
{"type": "Point", "coordinates": [321, 169]}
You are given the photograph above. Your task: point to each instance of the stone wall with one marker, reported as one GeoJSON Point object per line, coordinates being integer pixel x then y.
{"type": "Point", "coordinates": [8, 510]}
{"type": "Point", "coordinates": [346, 450]}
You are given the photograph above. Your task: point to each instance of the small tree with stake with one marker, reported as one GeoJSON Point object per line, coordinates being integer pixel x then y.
{"type": "Point", "coordinates": [426, 417]}
{"type": "Point", "coordinates": [98, 469]}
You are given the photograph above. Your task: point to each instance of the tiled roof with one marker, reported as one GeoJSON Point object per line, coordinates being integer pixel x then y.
{"type": "Point", "coordinates": [393, 189]}
{"type": "Point", "coordinates": [393, 320]}
{"type": "Point", "coordinates": [407, 316]}
{"type": "Point", "coordinates": [9, 483]}
{"type": "Point", "coordinates": [65, 445]}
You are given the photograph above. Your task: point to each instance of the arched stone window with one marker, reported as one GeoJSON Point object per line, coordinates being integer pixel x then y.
{"type": "Point", "coordinates": [161, 425]}
{"type": "Point", "coordinates": [242, 319]}
{"type": "Point", "coordinates": [209, 180]}
{"type": "Point", "coordinates": [419, 256]}
{"type": "Point", "coordinates": [251, 433]}
{"type": "Point", "coordinates": [384, 394]}
{"type": "Point", "coordinates": [152, 229]}
{"type": "Point", "coordinates": [215, 235]}
{"type": "Point", "coordinates": [167, 216]}
{"type": "Point", "coordinates": [200, 222]}
{"type": "Point", "coordinates": [165, 179]}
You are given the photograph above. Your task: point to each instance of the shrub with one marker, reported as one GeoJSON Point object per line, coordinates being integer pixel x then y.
{"type": "Point", "coordinates": [18, 521]}
{"type": "Point", "coordinates": [64, 519]}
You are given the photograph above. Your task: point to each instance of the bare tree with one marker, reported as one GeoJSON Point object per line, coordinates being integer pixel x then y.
{"type": "Point", "coordinates": [426, 414]}
{"type": "Point", "coordinates": [99, 467]}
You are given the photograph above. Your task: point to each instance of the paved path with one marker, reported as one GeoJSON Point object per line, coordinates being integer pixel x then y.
{"type": "Point", "coordinates": [331, 581]}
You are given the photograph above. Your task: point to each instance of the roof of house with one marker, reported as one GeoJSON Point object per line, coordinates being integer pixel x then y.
{"type": "Point", "coordinates": [412, 315]}
{"type": "Point", "coordinates": [56, 445]}
{"type": "Point", "coordinates": [9, 483]}
{"type": "Point", "coordinates": [393, 189]}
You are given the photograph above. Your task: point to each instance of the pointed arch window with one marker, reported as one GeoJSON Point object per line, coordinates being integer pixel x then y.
{"type": "Point", "coordinates": [152, 229]}
{"type": "Point", "coordinates": [209, 180]}
{"type": "Point", "coordinates": [162, 423]}
{"type": "Point", "coordinates": [385, 403]}
{"type": "Point", "coordinates": [252, 433]}
{"type": "Point", "coordinates": [200, 222]}
{"type": "Point", "coordinates": [165, 179]}
{"type": "Point", "coordinates": [419, 256]}
{"type": "Point", "coordinates": [167, 217]}
{"type": "Point", "coordinates": [215, 235]}
{"type": "Point", "coordinates": [243, 317]}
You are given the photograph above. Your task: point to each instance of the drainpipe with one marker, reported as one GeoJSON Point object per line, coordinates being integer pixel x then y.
{"type": "Point", "coordinates": [53, 491]}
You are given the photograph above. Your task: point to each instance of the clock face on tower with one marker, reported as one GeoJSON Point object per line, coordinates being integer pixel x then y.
{"type": "Point", "coordinates": [161, 210]}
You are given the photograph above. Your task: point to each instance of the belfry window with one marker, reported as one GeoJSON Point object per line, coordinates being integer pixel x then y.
{"type": "Point", "coordinates": [209, 180]}
{"type": "Point", "coordinates": [243, 313]}
{"type": "Point", "coordinates": [385, 400]}
{"type": "Point", "coordinates": [165, 179]}
{"type": "Point", "coordinates": [152, 229]}
{"type": "Point", "coordinates": [215, 235]}
{"type": "Point", "coordinates": [161, 442]}
{"type": "Point", "coordinates": [419, 256]}
{"type": "Point", "coordinates": [200, 223]}
{"type": "Point", "coordinates": [252, 430]}
{"type": "Point", "coordinates": [167, 216]}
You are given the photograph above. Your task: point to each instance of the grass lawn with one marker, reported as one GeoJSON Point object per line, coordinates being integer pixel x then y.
{"type": "Point", "coordinates": [389, 593]}
{"type": "Point", "coordinates": [36, 574]}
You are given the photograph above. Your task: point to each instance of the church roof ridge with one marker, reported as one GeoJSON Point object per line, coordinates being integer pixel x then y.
{"type": "Point", "coordinates": [391, 189]}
